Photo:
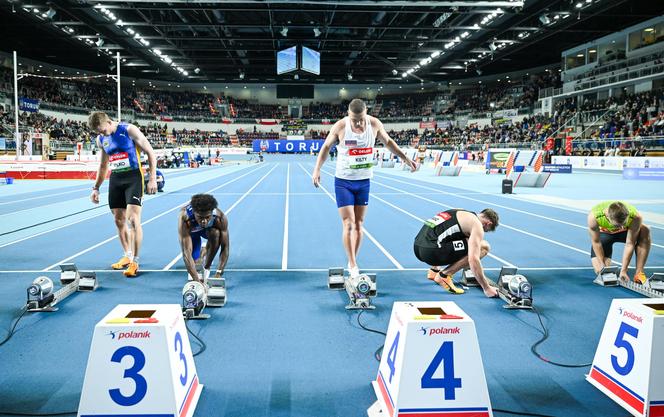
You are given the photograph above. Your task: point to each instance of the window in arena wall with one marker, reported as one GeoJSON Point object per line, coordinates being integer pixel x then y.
{"type": "Point", "coordinates": [592, 54]}
{"type": "Point", "coordinates": [575, 59]}
{"type": "Point", "coordinates": [646, 36]}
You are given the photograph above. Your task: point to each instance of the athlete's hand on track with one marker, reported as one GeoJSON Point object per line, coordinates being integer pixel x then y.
{"type": "Point", "coordinates": [94, 196]}
{"type": "Point", "coordinates": [491, 292]}
{"type": "Point", "coordinates": [316, 178]}
{"type": "Point", "coordinates": [152, 186]}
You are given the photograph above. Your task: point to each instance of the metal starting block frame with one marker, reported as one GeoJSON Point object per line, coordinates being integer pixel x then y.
{"type": "Point", "coordinates": [653, 288]}
{"type": "Point", "coordinates": [608, 276]}
{"type": "Point", "coordinates": [72, 280]}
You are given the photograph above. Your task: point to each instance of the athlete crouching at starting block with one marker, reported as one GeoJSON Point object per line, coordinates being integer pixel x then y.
{"type": "Point", "coordinates": [456, 238]}
{"type": "Point", "coordinates": [615, 221]}
{"type": "Point", "coordinates": [202, 219]}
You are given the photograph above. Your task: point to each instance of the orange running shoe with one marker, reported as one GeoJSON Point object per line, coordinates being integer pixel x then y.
{"type": "Point", "coordinates": [640, 278]}
{"type": "Point", "coordinates": [132, 270]}
{"type": "Point", "coordinates": [447, 282]}
{"type": "Point", "coordinates": [122, 263]}
{"type": "Point", "coordinates": [432, 274]}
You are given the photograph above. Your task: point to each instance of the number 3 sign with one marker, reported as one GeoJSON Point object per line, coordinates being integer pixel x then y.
{"type": "Point", "coordinates": [431, 364]}
{"type": "Point", "coordinates": [140, 363]}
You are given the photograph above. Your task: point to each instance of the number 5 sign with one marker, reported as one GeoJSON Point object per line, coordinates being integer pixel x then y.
{"type": "Point", "coordinates": [628, 364]}
{"type": "Point", "coordinates": [140, 364]}
{"type": "Point", "coordinates": [431, 364]}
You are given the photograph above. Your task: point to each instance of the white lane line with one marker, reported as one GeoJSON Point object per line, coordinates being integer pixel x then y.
{"type": "Point", "coordinates": [97, 215]}
{"type": "Point", "coordinates": [522, 268]}
{"type": "Point", "coordinates": [421, 222]}
{"type": "Point", "coordinates": [143, 223]}
{"type": "Point", "coordinates": [366, 232]}
{"type": "Point", "coordinates": [501, 224]}
{"type": "Point", "coordinates": [227, 212]}
{"type": "Point", "coordinates": [46, 196]}
{"type": "Point", "coordinates": [284, 252]}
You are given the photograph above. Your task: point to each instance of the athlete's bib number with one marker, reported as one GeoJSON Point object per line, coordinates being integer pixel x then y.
{"type": "Point", "coordinates": [119, 162]}
{"type": "Point", "coordinates": [360, 158]}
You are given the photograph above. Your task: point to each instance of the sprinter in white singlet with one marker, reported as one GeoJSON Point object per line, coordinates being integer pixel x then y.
{"type": "Point", "coordinates": [355, 136]}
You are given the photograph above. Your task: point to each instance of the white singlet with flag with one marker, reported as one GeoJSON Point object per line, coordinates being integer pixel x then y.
{"type": "Point", "coordinates": [355, 159]}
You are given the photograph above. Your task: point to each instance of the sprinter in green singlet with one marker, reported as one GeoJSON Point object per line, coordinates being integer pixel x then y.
{"type": "Point", "coordinates": [615, 221]}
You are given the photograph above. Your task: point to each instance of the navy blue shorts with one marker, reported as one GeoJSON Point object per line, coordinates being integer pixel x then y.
{"type": "Point", "coordinates": [352, 192]}
{"type": "Point", "coordinates": [196, 239]}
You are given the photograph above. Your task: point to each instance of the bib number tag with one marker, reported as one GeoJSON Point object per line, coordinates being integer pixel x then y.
{"type": "Point", "coordinates": [360, 158]}
{"type": "Point", "coordinates": [119, 162]}
{"type": "Point", "coordinates": [438, 219]}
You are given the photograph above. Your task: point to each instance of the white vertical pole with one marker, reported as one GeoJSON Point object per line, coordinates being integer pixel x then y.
{"type": "Point", "coordinates": [117, 69]}
{"type": "Point", "coordinates": [17, 138]}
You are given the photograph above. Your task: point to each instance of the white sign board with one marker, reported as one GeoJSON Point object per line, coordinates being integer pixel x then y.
{"type": "Point", "coordinates": [140, 364]}
{"type": "Point", "coordinates": [629, 365]}
{"type": "Point", "coordinates": [431, 364]}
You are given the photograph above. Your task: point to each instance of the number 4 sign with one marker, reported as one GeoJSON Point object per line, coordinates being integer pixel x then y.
{"type": "Point", "coordinates": [628, 362]}
{"type": "Point", "coordinates": [140, 364]}
{"type": "Point", "coordinates": [431, 364]}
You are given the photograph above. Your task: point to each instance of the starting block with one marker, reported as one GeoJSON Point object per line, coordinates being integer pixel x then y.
{"type": "Point", "coordinates": [628, 363]}
{"type": "Point", "coordinates": [335, 278]}
{"type": "Point", "coordinates": [360, 290]}
{"type": "Point", "coordinates": [656, 282]}
{"type": "Point", "coordinates": [514, 289]}
{"type": "Point", "coordinates": [431, 364]}
{"type": "Point", "coordinates": [140, 363]}
{"type": "Point", "coordinates": [40, 293]}
{"type": "Point", "coordinates": [608, 276]}
{"type": "Point", "coordinates": [216, 294]}
{"type": "Point", "coordinates": [468, 278]}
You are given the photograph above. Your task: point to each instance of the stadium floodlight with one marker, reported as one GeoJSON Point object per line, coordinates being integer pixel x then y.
{"type": "Point", "coordinates": [493, 46]}
{"type": "Point", "coordinates": [50, 13]}
{"type": "Point", "coordinates": [284, 31]}
{"type": "Point", "coordinates": [545, 19]}
{"type": "Point", "coordinates": [316, 32]}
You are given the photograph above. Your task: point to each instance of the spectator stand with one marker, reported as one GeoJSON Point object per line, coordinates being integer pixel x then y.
{"type": "Point", "coordinates": [525, 169]}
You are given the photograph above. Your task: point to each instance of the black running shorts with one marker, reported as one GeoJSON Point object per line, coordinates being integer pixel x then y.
{"type": "Point", "coordinates": [125, 188]}
{"type": "Point", "coordinates": [607, 240]}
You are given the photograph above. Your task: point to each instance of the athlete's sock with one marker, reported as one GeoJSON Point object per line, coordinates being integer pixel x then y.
{"type": "Point", "coordinates": [135, 259]}
{"type": "Point", "coordinates": [130, 254]}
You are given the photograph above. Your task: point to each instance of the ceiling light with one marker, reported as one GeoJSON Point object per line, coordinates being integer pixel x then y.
{"type": "Point", "coordinates": [316, 32]}
{"type": "Point", "coordinates": [579, 5]}
{"type": "Point", "coordinates": [435, 54]}
{"type": "Point", "coordinates": [404, 74]}
{"type": "Point", "coordinates": [284, 31]}
{"type": "Point", "coordinates": [545, 19]}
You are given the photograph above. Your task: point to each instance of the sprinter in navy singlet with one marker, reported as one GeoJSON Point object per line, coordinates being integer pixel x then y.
{"type": "Point", "coordinates": [201, 219]}
{"type": "Point", "coordinates": [121, 145]}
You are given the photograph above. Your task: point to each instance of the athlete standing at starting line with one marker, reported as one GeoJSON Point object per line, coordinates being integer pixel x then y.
{"type": "Point", "coordinates": [121, 144]}
{"type": "Point", "coordinates": [355, 136]}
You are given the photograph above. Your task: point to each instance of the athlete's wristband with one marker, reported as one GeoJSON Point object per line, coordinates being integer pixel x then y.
{"type": "Point", "coordinates": [95, 188]}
